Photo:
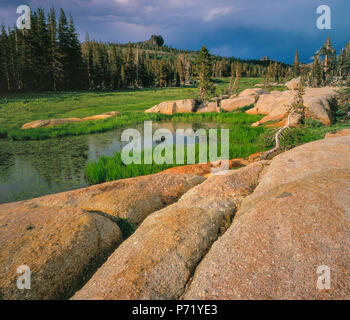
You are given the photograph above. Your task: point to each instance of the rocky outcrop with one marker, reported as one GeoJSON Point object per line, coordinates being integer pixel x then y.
{"type": "Point", "coordinates": [157, 260]}
{"type": "Point", "coordinates": [209, 107]}
{"type": "Point", "coordinates": [237, 103]}
{"type": "Point", "coordinates": [293, 84]}
{"type": "Point", "coordinates": [338, 133]}
{"type": "Point", "coordinates": [102, 116]}
{"type": "Point", "coordinates": [133, 198]}
{"type": "Point", "coordinates": [245, 98]}
{"type": "Point", "coordinates": [295, 222]}
{"type": "Point", "coordinates": [294, 120]}
{"type": "Point", "coordinates": [61, 247]}
{"type": "Point", "coordinates": [55, 122]}
{"type": "Point", "coordinates": [64, 237]}
{"type": "Point", "coordinates": [290, 217]}
{"type": "Point", "coordinates": [318, 108]}
{"type": "Point", "coordinates": [318, 103]}
{"type": "Point", "coordinates": [206, 169]}
{"type": "Point", "coordinates": [172, 107]}
{"type": "Point", "coordinates": [312, 157]}
{"type": "Point", "coordinates": [255, 92]}
{"type": "Point", "coordinates": [276, 104]}
{"type": "Point", "coordinates": [49, 123]}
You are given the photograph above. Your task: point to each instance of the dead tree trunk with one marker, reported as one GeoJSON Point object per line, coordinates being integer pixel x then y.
{"type": "Point", "coordinates": [277, 138]}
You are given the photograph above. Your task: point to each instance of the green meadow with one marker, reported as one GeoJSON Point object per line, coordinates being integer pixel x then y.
{"type": "Point", "coordinates": [244, 141]}
{"type": "Point", "coordinates": [18, 109]}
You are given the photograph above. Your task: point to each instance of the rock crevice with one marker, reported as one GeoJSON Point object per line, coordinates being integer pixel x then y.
{"type": "Point", "coordinates": [64, 238]}
{"type": "Point", "coordinates": [295, 221]}
{"type": "Point", "coordinates": [157, 261]}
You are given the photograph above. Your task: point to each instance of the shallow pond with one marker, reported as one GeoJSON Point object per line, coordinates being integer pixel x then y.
{"type": "Point", "coordinates": [34, 168]}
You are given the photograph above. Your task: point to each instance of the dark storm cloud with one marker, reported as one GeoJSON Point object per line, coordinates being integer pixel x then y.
{"type": "Point", "coordinates": [243, 28]}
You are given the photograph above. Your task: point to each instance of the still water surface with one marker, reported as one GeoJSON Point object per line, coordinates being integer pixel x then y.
{"type": "Point", "coordinates": [30, 169]}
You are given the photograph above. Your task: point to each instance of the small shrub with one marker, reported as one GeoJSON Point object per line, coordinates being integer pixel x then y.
{"type": "Point", "coordinates": [293, 137]}
{"type": "Point", "coordinates": [243, 109]}
{"type": "Point", "coordinates": [126, 227]}
{"type": "Point", "coordinates": [343, 101]}
{"type": "Point", "coordinates": [313, 123]}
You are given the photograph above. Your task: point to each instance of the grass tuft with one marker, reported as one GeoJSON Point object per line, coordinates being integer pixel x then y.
{"type": "Point", "coordinates": [244, 141]}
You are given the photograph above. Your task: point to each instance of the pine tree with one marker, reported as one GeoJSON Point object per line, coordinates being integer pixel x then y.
{"type": "Point", "coordinates": [316, 73]}
{"type": "Point", "coordinates": [5, 67]}
{"type": "Point", "coordinates": [41, 47]}
{"type": "Point", "coordinates": [130, 68]}
{"type": "Point", "coordinates": [76, 73]}
{"type": "Point", "coordinates": [269, 73]}
{"type": "Point", "coordinates": [55, 57]}
{"type": "Point", "coordinates": [181, 69]}
{"type": "Point", "coordinates": [101, 77]}
{"type": "Point", "coordinates": [296, 65]}
{"type": "Point", "coordinates": [188, 72]}
{"type": "Point", "coordinates": [30, 74]}
{"type": "Point", "coordinates": [329, 64]}
{"type": "Point", "coordinates": [120, 64]}
{"type": "Point", "coordinates": [343, 98]}
{"type": "Point", "coordinates": [344, 63]}
{"type": "Point", "coordinates": [17, 58]}
{"type": "Point", "coordinates": [12, 69]}
{"type": "Point", "coordinates": [203, 72]}
{"type": "Point", "coordinates": [142, 72]}
{"type": "Point", "coordinates": [88, 59]}
{"type": "Point", "coordinates": [122, 77]}
{"type": "Point", "coordinates": [114, 62]}
{"type": "Point", "coordinates": [163, 70]}
{"type": "Point", "coordinates": [236, 71]}
{"type": "Point", "coordinates": [276, 72]}
{"type": "Point", "coordinates": [63, 47]}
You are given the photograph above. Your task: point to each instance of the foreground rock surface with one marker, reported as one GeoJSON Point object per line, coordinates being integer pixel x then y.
{"type": "Point", "coordinates": [296, 220]}
{"type": "Point", "coordinates": [157, 260]}
{"type": "Point", "coordinates": [64, 237]}
{"type": "Point", "coordinates": [59, 246]}
{"type": "Point", "coordinates": [133, 199]}
{"type": "Point", "coordinates": [204, 169]}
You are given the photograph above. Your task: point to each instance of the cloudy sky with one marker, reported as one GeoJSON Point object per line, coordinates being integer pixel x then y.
{"type": "Point", "coordinates": [241, 28]}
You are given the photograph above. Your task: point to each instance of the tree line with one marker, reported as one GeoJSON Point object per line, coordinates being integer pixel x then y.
{"type": "Point", "coordinates": [46, 57]}
{"type": "Point", "coordinates": [50, 57]}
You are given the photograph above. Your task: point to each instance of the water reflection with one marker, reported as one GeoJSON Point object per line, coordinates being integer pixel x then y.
{"type": "Point", "coordinates": [35, 168]}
